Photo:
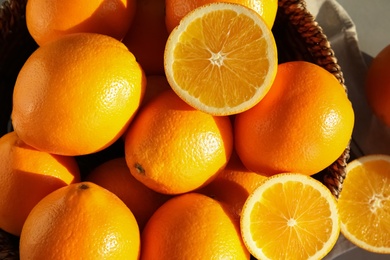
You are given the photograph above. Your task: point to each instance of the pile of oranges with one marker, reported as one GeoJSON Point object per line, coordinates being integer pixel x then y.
{"type": "Point", "coordinates": [210, 129]}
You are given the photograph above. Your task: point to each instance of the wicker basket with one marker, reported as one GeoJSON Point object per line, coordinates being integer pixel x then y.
{"type": "Point", "coordinates": [297, 34]}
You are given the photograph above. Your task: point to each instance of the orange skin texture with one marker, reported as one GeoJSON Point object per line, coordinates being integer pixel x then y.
{"type": "Point", "coordinates": [177, 9]}
{"type": "Point", "coordinates": [63, 110]}
{"type": "Point", "coordinates": [115, 176]}
{"type": "Point", "coordinates": [173, 148]}
{"type": "Point", "coordinates": [303, 124]}
{"type": "Point", "coordinates": [26, 176]}
{"type": "Point", "coordinates": [192, 226]}
{"type": "Point", "coordinates": [147, 36]}
{"type": "Point", "coordinates": [80, 221]}
{"type": "Point", "coordinates": [48, 20]}
{"type": "Point", "coordinates": [233, 185]}
{"type": "Point", "coordinates": [377, 85]}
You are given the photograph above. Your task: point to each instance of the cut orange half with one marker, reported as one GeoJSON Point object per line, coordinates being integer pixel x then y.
{"type": "Point", "coordinates": [290, 216]}
{"type": "Point", "coordinates": [221, 58]}
{"type": "Point", "coordinates": [364, 203]}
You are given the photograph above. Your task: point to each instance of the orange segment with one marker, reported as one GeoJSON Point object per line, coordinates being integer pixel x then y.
{"type": "Point", "coordinates": [290, 216]}
{"type": "Point", "coordinates": [221, 59]}
{"type": "Point", "coordinates": [364, 203]}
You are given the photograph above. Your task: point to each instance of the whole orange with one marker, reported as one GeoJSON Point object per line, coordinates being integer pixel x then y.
{"type": "Point", "coordinates": [173, 148]}
{"type": "Point", "coordinates": [303, 124]}
{"type": "Point", "coordinates": [377, 85]}
{"type": "Point", "coordinates": [233, 185]}
{"type": "Point", "coordinates": [176, 9]}
{"type": "Point", "coordinates": [26, 176]}
{"type": "Point", "coordinates": [48, 20]}
{"type": "Point", "coordinates": [80, 221]}
{"type": "Point", "coordinates": [192, 226]}
{"type": "Point", "coordinates": [77, 95]}
{"type": "Point", "coordinates": [147, 35]}
{"type": "Point", "coordinates": [115, 176]}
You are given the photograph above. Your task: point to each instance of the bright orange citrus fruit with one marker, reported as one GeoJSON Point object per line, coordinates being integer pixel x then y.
{"type": "Point", "coordinates": [177, 9]}
{"type": "Point", "coordinates": [48, 20]}
{"type": "Point", "coordinates": [221, 59]}
{"type": "Point", "coordinates": [192, 226]}
{"type": "Point", "coordinates": [377, 85]}
{"type": "Point", "coordinates": [303, 124]}
{"type": "Point", "coordinates": [80, 221]}
{"type": "Point", "coordinates": [233, 185]}
{"type": "Point", "coordinates": [173, 148]}
{"type": "Point", "coordinates": [77, 95]}
{"type": "Point", "coordinates": [26, 176]}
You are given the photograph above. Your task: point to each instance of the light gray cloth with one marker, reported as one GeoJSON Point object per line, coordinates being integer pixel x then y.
{"type": "Point", "coordinates": [341, 32]}
{"type": "Point", "coordinates": [370, 135]}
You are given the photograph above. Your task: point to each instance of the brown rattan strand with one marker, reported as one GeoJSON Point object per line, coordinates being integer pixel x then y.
{"type": "Point", "coordinates": [8, 246]}
{"type": "Point", "coordinates": [297, 35]}
{"type": "Point", "coordinates": [306, 36]}
{"type": "Point", "coordinates": [10, 14]}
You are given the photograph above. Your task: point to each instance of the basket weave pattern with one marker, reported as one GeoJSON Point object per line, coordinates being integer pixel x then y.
{"type": "Point", "coordinates": [297, 34]}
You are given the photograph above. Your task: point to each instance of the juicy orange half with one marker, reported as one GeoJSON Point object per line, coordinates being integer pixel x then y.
{"type": "Point", "coordinates": [364, 203]}
{"type": "Point", "coordinates": [221, 58]}
{"type": "Point", "coordinates": [290, 216]}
